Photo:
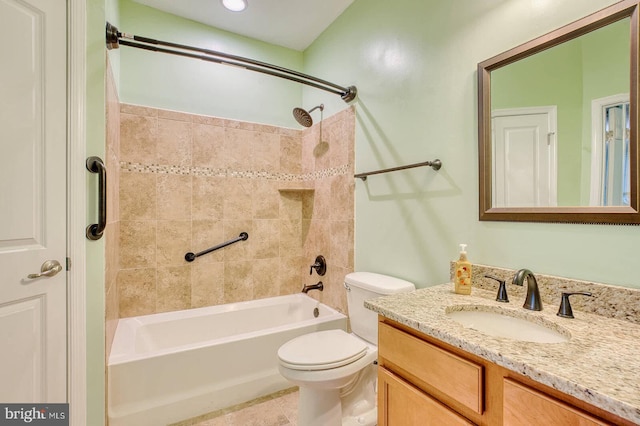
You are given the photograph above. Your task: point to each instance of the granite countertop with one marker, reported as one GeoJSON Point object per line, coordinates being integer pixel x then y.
{"type": "Point", "coordinates": [600, 364]}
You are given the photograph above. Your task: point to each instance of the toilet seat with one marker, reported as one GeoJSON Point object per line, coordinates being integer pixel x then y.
{"type": "Point", "coordinates": [322, 350]}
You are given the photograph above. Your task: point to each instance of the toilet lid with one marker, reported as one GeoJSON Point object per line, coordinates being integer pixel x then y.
{"type": "Point", "coordinates": [321, 350]}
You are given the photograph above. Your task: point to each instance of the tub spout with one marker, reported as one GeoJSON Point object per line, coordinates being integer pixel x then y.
{"type": "Point", "coordinates": [318, 286]}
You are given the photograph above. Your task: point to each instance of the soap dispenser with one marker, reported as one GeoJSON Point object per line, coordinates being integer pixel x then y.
{"type": "Point", "coordinates": [462, 275]}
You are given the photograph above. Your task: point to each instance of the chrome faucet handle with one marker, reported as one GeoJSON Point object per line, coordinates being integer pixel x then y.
{"type": "Point", "coordinates": [502, 289]}
{"type": "Point", "coordinates": [565, 310]}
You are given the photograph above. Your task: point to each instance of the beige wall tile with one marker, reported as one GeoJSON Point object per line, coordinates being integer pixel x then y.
{"type": "Point", "coordinates": [290, 237]}
{"type": "Point", "coordinates": [137, 196]}
{"type": "Point", "coordinates": [318, 239]}
{"type": "Point", "coordinates": [175, 115]}
{"type": "Point", "coordinates": [265, 154]}
{"type": "Point", "coordinates": [265, 242]}
{"type": "Point", "coordinates": [291, 278]}
{"type": "Point", "coordinates": [137, 244]}
{"type": "Point", "coordinates": [174, 197]}
{"type": "Point", "coordinates": [137, 292]}
{"type": "Point", "coordinates": [138, 139]}
{"type": "Point", "coordinates": [207, 284]}
{"type": "Point", "coordinates": [238, 194]}
{"type": "Point", "coordinates": [323, 201]}
{"type": "Point", "coordinates": [174, 142]}
{"type": "Point", "coordinates": [208, 146]}
{"type": "Point", "coordinates": [266, 278]}
{"type": "Point", "coordinates": [342, 190]}
{"type": "Point", "coordinates": [334, 294]}
{"type": "Point", "coordinates": [173, 288]}
{"type": "Point", "coordinates": [238, 148]}
{"type": "Point", "coordinates": [339, 143]}
{"type": "Point", "coordinates": [207, 201]}
{"type": "Point", "coordinates": [238, 281]}
{"type": "Point", "coordinates": [211, 121]}
{"type": "Point", "coordinates": [291, 154]}
{"type": "Point", "coordinates": [341, 241]}
{"type": "Point", "coordinates": [173, 242]}
{"type": "Point", "coordinates": [138, 110]}
{"type": "Point", "coordinates": [266, 200]}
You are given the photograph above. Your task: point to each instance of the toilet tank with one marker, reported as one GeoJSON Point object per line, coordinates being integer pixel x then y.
{"type": "Point", "coordinates": [361, 286]}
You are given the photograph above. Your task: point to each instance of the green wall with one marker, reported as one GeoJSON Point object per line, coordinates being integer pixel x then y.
{"type": "Point", "coordinates": [414, 64]}
{"type": "Point", "coordinates": [415, 67]}
{"type": "Point", "coordinates": [185, 84]}
{"type": "Point", "coordinates": [95, 134]}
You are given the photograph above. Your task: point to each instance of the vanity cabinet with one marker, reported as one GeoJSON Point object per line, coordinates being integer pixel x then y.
{"type": "Point", "coordinates": [404, 405]}
{"type": "Point", "coordinates": [423, 381]}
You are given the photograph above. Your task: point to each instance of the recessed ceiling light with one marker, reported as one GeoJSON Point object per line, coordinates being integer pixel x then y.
{"type": "Point", "coordinates": [235, 5]}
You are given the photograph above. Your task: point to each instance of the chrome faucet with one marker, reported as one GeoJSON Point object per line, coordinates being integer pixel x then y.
{"type": "Point", "coordinates": [533, 302]}
{"type": "Point", "coordinates": [318, 286]}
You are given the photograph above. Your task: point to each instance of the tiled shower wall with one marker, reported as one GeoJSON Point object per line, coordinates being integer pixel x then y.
{"type": "Point", "coordinates": [189, 182]}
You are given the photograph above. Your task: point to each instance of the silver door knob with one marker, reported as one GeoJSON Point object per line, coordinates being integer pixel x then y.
{"type": "Point", "coordinates": [49, 268]}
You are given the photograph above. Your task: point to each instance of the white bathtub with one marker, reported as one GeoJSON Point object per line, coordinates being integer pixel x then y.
{"type": "Point", "coordinates": [169, 367]}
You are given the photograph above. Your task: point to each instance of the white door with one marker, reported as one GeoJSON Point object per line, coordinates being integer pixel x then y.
{"type": "Point", "coordinates": [33, 314]}
{"type": "Point", "coordinates": [524, 156]}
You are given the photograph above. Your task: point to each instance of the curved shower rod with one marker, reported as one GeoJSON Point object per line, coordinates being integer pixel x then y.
{"type": "Point", "coordinates": [116, 38]}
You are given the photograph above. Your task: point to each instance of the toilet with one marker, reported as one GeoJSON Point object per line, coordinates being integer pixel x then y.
{"type": "Point", "coordinates": [336, 371]}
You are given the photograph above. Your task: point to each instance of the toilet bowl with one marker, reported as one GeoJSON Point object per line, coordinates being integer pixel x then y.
{"type": "Point", "coordinates": [336, 371]}
{"type": "Point", "coordinates": [325, 365]}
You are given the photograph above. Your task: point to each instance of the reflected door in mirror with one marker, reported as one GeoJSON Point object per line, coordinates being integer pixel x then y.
{"type": "Point", "coordinates": [524, 157]}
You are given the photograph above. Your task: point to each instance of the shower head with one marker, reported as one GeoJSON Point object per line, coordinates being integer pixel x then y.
{"type": "Point", "coordinates": [303, 116]}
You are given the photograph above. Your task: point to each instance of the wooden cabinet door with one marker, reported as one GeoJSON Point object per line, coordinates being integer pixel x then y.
{"type": "Point", "coordinates": [456, 377]}
{"type": "Point", "coordinates": [400, 404]}
{"type": "Point", "coordinates": [523, 406]}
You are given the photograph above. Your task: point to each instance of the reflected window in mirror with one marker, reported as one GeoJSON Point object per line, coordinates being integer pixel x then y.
{"type": "Point", "coordinates": [610, 159]}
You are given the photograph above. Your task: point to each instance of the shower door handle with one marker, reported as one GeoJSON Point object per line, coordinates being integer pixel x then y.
{"type": "Point", "coordinates": [95, 231]}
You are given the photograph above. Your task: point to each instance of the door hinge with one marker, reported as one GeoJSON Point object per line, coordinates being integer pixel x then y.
{"type": "Point", "coordinates": [68, 264]}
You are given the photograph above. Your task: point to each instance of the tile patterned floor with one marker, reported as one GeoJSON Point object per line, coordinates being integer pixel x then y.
{"type": "Point", "coordinates": [279, 409]}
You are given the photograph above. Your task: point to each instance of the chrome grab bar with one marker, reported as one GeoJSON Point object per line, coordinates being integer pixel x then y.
{"type": "Point", "coordinates": [190, 257]}
{"type": "Point", "coordinates": [96, 165]}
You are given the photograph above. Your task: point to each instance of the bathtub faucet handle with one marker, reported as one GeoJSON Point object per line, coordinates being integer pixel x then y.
{"type": "Point", "coordinates": [320, 266]}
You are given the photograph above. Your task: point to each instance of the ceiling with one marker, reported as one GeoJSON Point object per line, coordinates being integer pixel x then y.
{"type": "Point", "coordinates": [290, 23]}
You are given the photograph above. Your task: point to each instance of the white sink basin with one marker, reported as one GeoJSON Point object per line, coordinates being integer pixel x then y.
{"type": "Point", "coordinates": [505, 324]}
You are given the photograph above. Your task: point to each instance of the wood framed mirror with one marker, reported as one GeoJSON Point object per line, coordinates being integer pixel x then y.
{"type": "Point", "coordinates": [558, 124]}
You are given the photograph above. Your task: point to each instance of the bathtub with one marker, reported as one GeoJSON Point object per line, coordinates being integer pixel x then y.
{"type": "Point", "coordinates": [168, 367]}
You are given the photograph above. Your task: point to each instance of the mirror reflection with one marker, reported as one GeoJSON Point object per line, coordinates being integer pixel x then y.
{"type": "Point", "coordinates": [557, 124]}
{"type": "Point", "coordinates": [560, 124]}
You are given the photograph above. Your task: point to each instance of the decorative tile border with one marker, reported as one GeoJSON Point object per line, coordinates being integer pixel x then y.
{"type": "Point", "coordinates": [246, 174]}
